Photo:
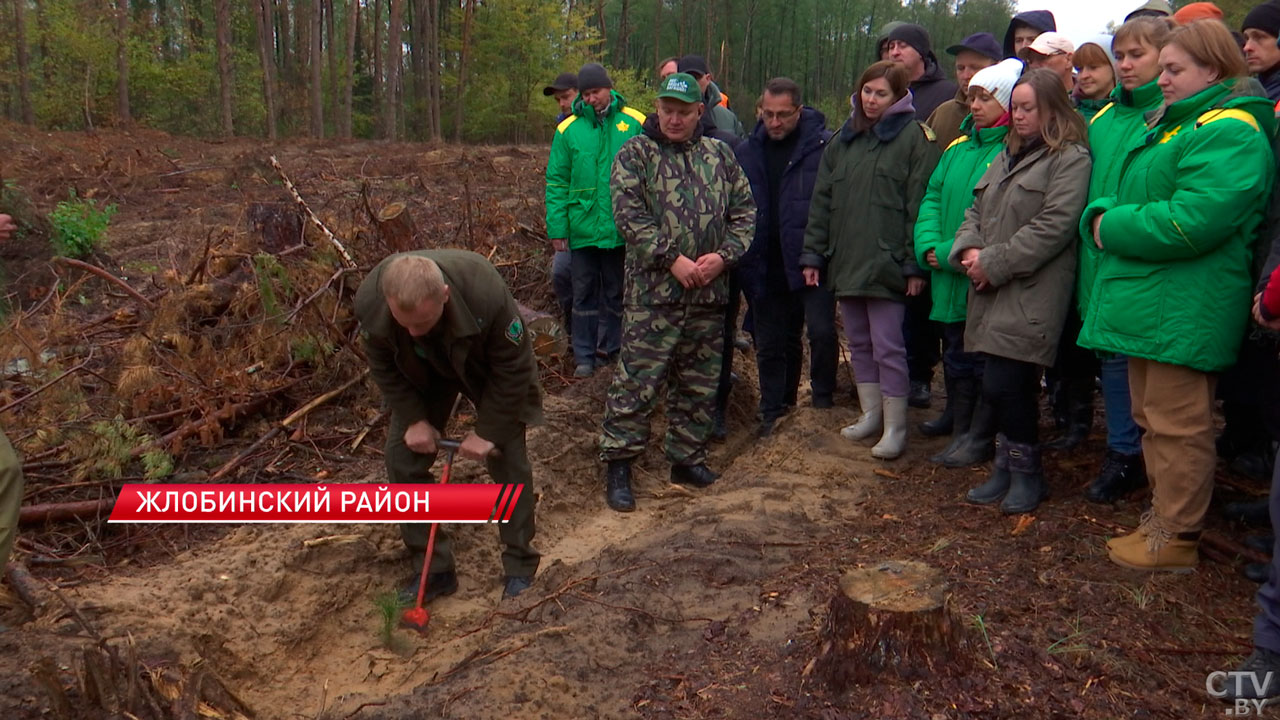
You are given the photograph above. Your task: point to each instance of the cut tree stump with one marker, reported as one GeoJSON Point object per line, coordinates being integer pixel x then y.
{"type": "Point", "coordinates": [891, 618]}
{"type": "Point", "coordinates": [395, 225]}
{"type": "Point", "coordinates": [545, 332]}
{"type": "Point", "coordinates": [278, 224]}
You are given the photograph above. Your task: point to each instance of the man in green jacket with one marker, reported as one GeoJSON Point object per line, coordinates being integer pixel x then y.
{"type": "Point", "coordinates": [579, 215]}
{"type": "Point", "coordinates": [436, 324]}
{"type": "Point", "coordinates": [717, 106]}
{"type": "Point", "coordinates": [685, 208]}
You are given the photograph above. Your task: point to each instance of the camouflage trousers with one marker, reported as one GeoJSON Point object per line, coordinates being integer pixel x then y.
{"type": "Point", "coordinates": [676, 346]}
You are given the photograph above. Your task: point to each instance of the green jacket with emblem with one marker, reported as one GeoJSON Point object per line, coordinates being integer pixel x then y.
{"type": "Point", "coordinates": [1174, 282]}
{"type": "Point", "coordinates": [582, 152]}
{"type": "Point", "coordinates": [864, 206]}
{"type": "Point", "coordinates": [478, 348]}
{"type": "Point", "coordinates": [947, 197]}
{"type": "Point", "coordinates": [1114, 130]}
{"type": "Point", "coordinates": [671, 199]}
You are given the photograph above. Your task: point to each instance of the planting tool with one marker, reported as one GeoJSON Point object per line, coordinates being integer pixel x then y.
{"type": "Point", "coordinates": [417, 617]}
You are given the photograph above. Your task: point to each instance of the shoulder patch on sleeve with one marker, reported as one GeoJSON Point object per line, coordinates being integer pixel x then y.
{"type": "Point", "coordinates": [566, 123]}
{"type": "Point", "coordinates": [929, 134]}
{"type": "Point", "coordinates": [958, 141]}
{"type": "Point", "coordinates": [1105, 109]}
{"type": "Point", "coordinates": [634, 113]}
{"type": "Point", "coordinates": [1227, 114]}
{"type": "Point", "coordinates": [515, 331]}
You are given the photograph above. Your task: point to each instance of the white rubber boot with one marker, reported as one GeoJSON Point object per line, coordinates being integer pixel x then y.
{"type": "Point", "coordinates": [870, 422]}
{"type": "Point", "coordinates": [894, 440]}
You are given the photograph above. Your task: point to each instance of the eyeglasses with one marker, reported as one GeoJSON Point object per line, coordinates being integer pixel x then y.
{"type": "Point", "coordinates": [787, 115]}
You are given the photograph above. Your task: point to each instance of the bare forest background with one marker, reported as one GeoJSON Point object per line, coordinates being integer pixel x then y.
{"type": "Point", "coordinates": [460, 70]}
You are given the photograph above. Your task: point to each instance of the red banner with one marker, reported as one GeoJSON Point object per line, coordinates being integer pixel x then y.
{"type": "Point", "coordinates": [295, 503]}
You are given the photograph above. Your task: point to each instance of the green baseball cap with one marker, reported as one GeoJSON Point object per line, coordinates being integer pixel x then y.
{"type": "Point", "coordinates": [682, 87]}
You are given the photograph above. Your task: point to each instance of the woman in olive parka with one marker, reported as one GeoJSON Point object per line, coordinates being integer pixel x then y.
{"type": "Point", "coordinates": [1173, 284]}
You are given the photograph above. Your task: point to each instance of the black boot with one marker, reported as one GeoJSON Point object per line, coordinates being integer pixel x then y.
{"type": "Point", "coordinates": [977, 445]}
{"type": "Point", "coordinates": [944, 423]}
{"type": "Point", "coordinates": [617, 486]}
{"type": "Point", "coordinates": [1078, 394]}
{"type": "Point", "coordinates": [994, 489]}
{"type": "Point", "coordinates": [1257, 572]}
{"type": "Point", "coordinates": [919, 395]}
{"type": "Point", "coordinates": [962, 399]}
{"type": "Point", "coordinates": [1027, 487]}
{"type": "Point", "coordinates": [698, 476]}
{"type": "Point", "coordinates": [719, 431]}
{"type": "Point", "coordinates": [439, 584]}
{"type": "Point", "coordinates": [1256, 513]}
{"type": "Point", "coordinates": [1121, 474]}
{"type": "Point", "coordinates": [1257, 678]}
{"type": "Point", "coordinates": [1265, 544]}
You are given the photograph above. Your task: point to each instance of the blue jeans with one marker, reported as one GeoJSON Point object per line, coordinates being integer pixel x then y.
{"type": "Point", "coordinates": [597, 302]}
{"type": "Point", "coordinates": [562, 283]}
{"type": "Point", "coordinates": [1123, 434]}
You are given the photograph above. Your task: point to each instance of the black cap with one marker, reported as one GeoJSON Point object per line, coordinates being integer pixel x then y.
{"type": "Point", "coordinates": [592, 76]}
{"type": "Point", "coordinates": [981, 43]}
{"type": "Point", "coordinates": [915, 36]}
{"type": "Point", "coordinates": [693, 64]}
{"type": "Point", "coordinates": [563, 81]}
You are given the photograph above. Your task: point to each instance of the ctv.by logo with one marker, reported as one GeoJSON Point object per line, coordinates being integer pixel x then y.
{"type": "Point", "coordinates": [1229, 686]}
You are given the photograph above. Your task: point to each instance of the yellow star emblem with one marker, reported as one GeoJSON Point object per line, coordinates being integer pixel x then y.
{"type": "Point", "coordinates": [1169, 135]}
{"type": "Point", "coordinates": [623, 126]}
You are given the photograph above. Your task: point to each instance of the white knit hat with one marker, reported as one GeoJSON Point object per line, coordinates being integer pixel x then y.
{"type": "Point", "coordinates": [999, 80]}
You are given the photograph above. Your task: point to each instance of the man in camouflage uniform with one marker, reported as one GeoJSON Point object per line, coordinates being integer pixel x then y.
{"type": "Point", "coordinates": [684, 207]}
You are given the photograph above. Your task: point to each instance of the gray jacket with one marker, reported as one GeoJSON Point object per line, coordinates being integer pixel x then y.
{"type": "Point", "coordinates": [722, 117]}
{"type": "Point", "coordinates": [1024, 219]}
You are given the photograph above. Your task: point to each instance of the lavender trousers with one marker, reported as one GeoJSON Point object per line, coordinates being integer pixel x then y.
{"type": "Point", "coordinates": [877, 351]}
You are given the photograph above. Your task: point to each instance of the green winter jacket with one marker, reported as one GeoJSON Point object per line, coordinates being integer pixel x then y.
{"type": "Point", "coordinates": [949, 194]}
{"type": "Point", "coordinates": [1089, 108]}
{"type": "Point", "coordinates": [1174, 281]}
{"type": "Point", "coordinates": [578, 195]}
{"type": "Point", "coordinates": [864, 205]}
{"type": "Point", "coordinates": [1114, 130]}
{"type": "Point", "coordinates": [671, 199]}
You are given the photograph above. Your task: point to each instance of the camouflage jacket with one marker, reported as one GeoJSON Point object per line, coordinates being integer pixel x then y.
{"type": "Point", "coordinates": [673, 199]}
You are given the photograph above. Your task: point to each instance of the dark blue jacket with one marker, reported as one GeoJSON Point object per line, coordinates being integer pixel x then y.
{"type": "Point", "coordinates": [797, 188]}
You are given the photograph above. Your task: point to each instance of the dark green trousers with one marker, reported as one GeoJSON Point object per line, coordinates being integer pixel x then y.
{"type": "Point", "coordinates": [10, 497]}
{"type": "Point", "coordinates": [511, 465]}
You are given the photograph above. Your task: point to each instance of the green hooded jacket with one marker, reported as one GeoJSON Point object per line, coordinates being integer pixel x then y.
{"type": "Point", "coordinates": [948, 195]}
{"type": "Point", "coordinates": [1114, 130]}
{"type": "Point", "coordinates": [1174, 282]}
{"type": "Point", "coordinates": [579, 205]}
{"type": "Point", "coordinates": [1089, 108]}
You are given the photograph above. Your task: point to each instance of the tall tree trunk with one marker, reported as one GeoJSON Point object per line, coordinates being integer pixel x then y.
{"type": "Point", "coordinates": [684, 26]}
{"type": "Point", "coordinates": [433, 70]}
{"type": "Point", "coordinates": [657, 32]}
{"type": "Point", "coordinates": [334, 99]}
{"type": "Point", "coordinates": [24, 69]}
{"type": "Point", "coordinates": [421, 46]}
{"type": "Point", "coordinates": [353, 15]}
{"type": "Point", "coordinates": [264, 17]}
{"type": "Point", "coordinates": [377, 53]}
{"type": "Point", "coordinates": [316, 24]}
{"type": "Point", "coordinates": [624, 33]}
{"type": "Point", "coordinates": [604, 36]}
{"type": "Point", "coordinates": [222, 10]}
{"type": "Point", "coordinates": [122, 62]}
{"type": "Point", "coordinates": [707, 5]}
{"type": "Point", "coordinates": [42, 29]}
{"type": "Point", "coordinates": [281, 39]}
{"type": "Point", "coordinates": [462, 67]}
{"type": "Point", "coordinates": [391, 93]}
{"type": "Point", "coordinates": [166, 29]}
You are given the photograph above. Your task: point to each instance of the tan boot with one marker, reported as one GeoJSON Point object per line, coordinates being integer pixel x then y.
{"type": "Point", "coordinates": [1153, 547]}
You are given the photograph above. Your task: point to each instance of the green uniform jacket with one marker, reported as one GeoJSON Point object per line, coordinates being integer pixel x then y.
{"type": "Point", "coordinates": [1089, 108]}
{"type": "Point", "coordinates": [582, 151]}
{"type": "Point", "coordinates": [1114, 130]}
{"type": "Point", "coordinates": [1173, 282]}
{"type": "Point", "coordinates": [479, 348]}
{"type": "Point", "coordinates": [672, 199]}
{"type": "Point", "coordinates": [864, 206]}
{"type": "Point", "coordinates": [722, 117]}
{"type": "Point", "coordinates": [947, 197]}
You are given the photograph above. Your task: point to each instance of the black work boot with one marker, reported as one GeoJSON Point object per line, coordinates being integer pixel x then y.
{"type": "Point", "coordinates": [1256, 464]}
{"type": "Point", "coordinates": [977, 445]}
{"type": "Point", "coordinates": [1078, 394]}
{"type": "Point", "coordinates": [944, 423]}
{"type": "Point", "coordinates": [439, 584]}
{"type": "Point", "coordinates": [698, 476]}
{"type": "Point", "coordinates": [719, 431]}
{"type": "Point", "coordinates": [1121, 474]}
{"type": "Point", "coordinates": [1257, 572]}
{"type": "Point", "coordinates": [994, 489]}
{"type": "Point", "coordinates": [617, 486]}
{"type": "Point", "coordinates": [962, 399]}
{"type": "Point", "coordinates": [1265, 544]}
{"type": "Point", "coordinates": [1256, 513]}
{"type": "Point", "coordinates": [1027, 487]}
{"type": "Point", "coordinates": [920, 394]}
{"type": "Point", "coordinates": [1258, 677]}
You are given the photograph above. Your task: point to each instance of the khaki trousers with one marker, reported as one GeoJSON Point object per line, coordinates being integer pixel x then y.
{"type": "Point", "coordinates": [1173, 405]}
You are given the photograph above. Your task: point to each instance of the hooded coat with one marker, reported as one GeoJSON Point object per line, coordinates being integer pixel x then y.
{"type": "Point", "coordinates": [1041, 20]}
{"type": "Point", "coordinates": [932, 89]}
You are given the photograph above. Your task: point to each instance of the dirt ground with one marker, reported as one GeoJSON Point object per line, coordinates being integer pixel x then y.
{"type": "Point", "coordinates": [702, 604]}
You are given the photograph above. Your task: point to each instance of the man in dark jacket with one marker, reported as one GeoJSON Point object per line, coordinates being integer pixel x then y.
{"type": "Point", "coordinates": [780, 159]}
{"type": "Point", "coordinates": [1261, 28]}
{"type": "Point", "coordinates": [1024, 27]}
{"type": "Point", "coordinates": [436, 324]}
{"type": "Point", "coordinates": [910, 45]}
{"type": "Point", "coordinates": [976, 52]}
{"type": "Point", "coordinates": [717, 108]}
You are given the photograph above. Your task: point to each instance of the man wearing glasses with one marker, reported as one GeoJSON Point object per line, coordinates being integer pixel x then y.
{"type": "Point", "coordinates": [780, 159]}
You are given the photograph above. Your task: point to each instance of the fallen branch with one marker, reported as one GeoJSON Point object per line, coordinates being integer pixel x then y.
{"type": "Point", "coordinates": [1231, 548]}
{"type": "Point", "coordinates": [91, 268]}
{"type": "Point", "coordinates": [58, 512]}
{"type": "Point", "coordinates": [24, 584]}
{"type": "Point", "coordinates": [368, 427]}
{"type": "Point", "coordinates": [337, 244]}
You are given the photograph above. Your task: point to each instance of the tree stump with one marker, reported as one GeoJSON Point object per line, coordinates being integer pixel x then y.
{"type": "Point", "coordinates": [395, 226]}
{"type": "Point", "coordinates": [891, 618]}
{"type": "Point", "coordinates": [278, 224]}
{"type": "Point", "coordinates": [545, 333]}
